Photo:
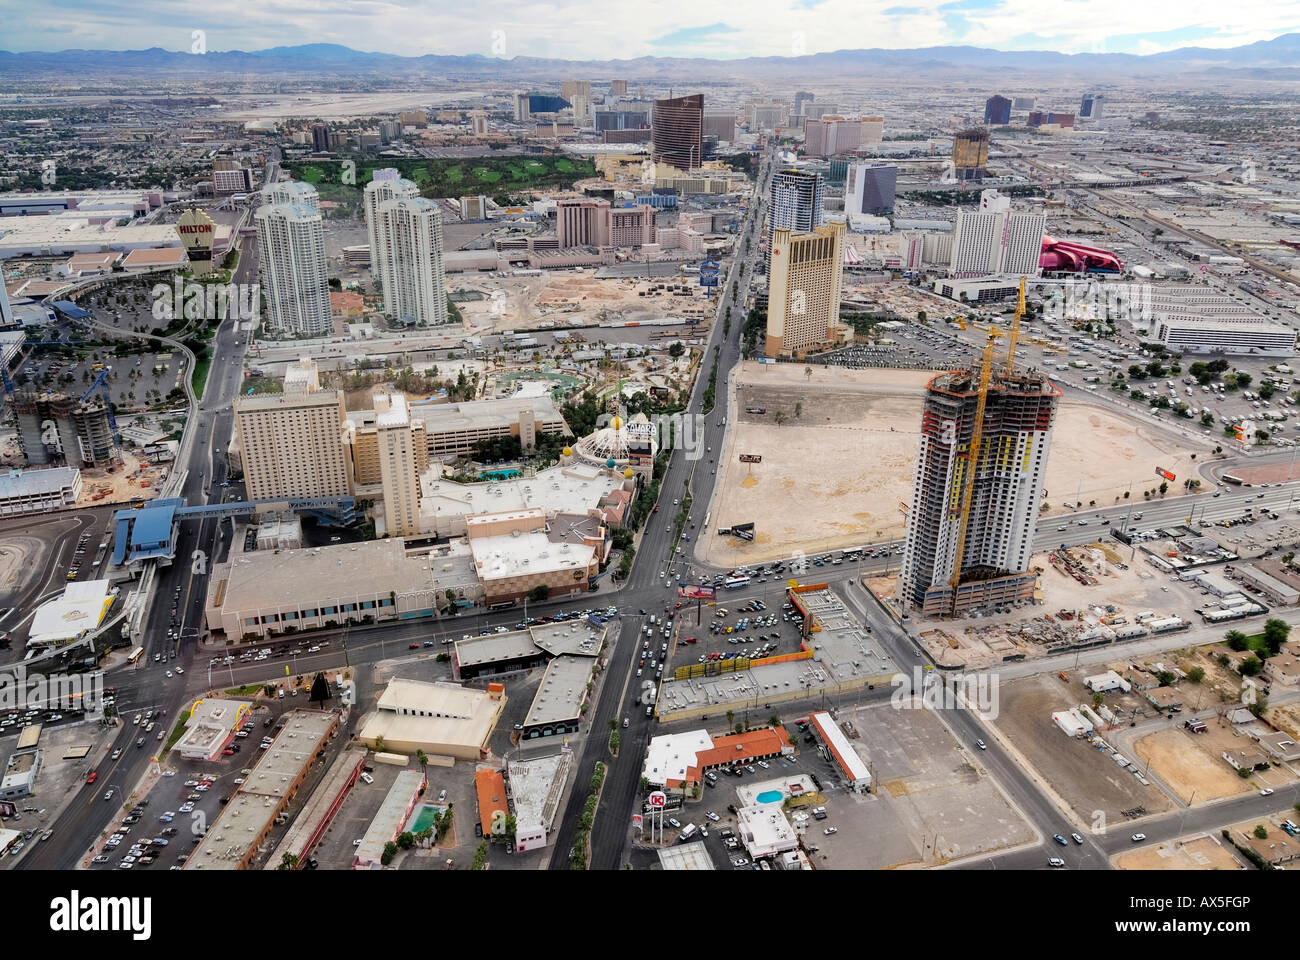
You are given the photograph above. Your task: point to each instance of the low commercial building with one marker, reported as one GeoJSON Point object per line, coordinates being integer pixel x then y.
{"type": "Point", "coordinates": [536, 789]}
{"type": "Point", "coordinates": [561, 698]}
{"type": "Point", "coordinates": [1228, 335]}
{"type": "Point", "coordinates": [38, 491]}
{"type": "Point", "coordinates": [319, 810]}
{"type": "Point", "coordinates": [212, 724]}
{"type": "Point", "coordinates": [1104, 682]}
{"type": "Point", "coordinates": [765, 831]}
{"type": "Point", "coordinates": [846, 757]}
{"type": "Point", "coordinates": [79, 611]}
{"type": "Point", "coordinates": [235, 838]}
{"type": "Point", "coordinates": [1248, 759]}
{"type": "Point", "coordinates": [493, 807]}
{"type": "Point", "coordinates": [680, 761]}
{"type": "Point", "coordinates": [515, 558]}
{"type": "Point", "coordinates": [261, 593]}
{"type": "Point", "coordinates": [1276, 590]}
{"type": "Point", "coordinates": [389, 820]}
{"type": "Point", "coordinates": [20, 774]}
{"type": "Point", "coordinates": [442, 719]}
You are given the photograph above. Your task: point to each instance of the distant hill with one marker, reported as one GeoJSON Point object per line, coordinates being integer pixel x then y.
{"type": "Point", "coordinates": [1276, 58]}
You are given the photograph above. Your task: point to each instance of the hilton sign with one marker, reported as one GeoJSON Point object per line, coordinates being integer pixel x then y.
{"type": "Point", "coordinates": [198, 233]}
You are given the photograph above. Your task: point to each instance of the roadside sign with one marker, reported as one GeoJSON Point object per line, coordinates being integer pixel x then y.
{"type": "Point", "coordinates": [658, 798]}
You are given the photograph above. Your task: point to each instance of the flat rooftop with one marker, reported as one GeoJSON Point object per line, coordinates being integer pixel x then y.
{"type": "Point", "coordinates": [271, 578]}
{"type": "Point", "coordinates": [537, 786]}
{"type": "Point", "coordinates": [389, 818]}
{"type": "Point", "coordinates": [561, 692]}
{"type": "Point", "coordinates": [572, 489]}
{"type": "Point", "coordinates": [576, 637]}
{"type": "Point", "coordinates": [29, 483]}
{"type": "Point", "coordinates": [479, 414]}
{"type": "Point", "coordinates": [495, 648]}
{"type": "Point", "coordinates": [507, 556]}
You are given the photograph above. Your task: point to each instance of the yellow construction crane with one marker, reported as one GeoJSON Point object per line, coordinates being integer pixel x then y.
{"type": "Point", "coordinates": [1015, 328]}
{"type": "Point", "coordinates": [972, 462]}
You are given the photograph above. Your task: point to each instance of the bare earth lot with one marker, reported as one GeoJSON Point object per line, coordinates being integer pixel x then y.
{"type": "Point", "coordinates": [1200, 853]}
{"type": "Point", "coordinates": [834, 476]}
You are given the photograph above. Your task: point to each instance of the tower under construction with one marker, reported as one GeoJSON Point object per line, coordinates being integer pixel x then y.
{"type": "Point", "coordinates": [968, 544]}
{"type": "Point", "coordinates": [56, 428]}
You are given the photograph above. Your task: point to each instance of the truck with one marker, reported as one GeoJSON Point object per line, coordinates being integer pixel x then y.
{"type": "Point", "coordinates": [687, 833]}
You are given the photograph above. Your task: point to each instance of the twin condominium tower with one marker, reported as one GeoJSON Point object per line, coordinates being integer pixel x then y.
{"type": "Point", "coordinates": [405, 232]}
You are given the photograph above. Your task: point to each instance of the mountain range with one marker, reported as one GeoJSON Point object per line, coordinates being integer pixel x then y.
{"type": "Point", "coordinates": [1276, 58]}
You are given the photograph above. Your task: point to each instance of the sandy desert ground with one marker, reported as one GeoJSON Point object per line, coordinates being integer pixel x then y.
{"type": "Point", "coordinates": [834, 476]}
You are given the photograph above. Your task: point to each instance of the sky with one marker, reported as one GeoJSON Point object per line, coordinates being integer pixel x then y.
{"type": "Point", "coordinates": [624, 29]}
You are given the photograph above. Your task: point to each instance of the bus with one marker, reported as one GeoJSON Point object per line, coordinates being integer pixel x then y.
{"type": "Point", "coordinates": [136, 654]}
{"type": "Point", "coordinates": [734, 582]}
{"type": "Point", "coordinates": [1229, 478]}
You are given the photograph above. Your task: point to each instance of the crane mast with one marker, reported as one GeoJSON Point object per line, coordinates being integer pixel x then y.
{"type": "Point", "coordinates": [972, 463]}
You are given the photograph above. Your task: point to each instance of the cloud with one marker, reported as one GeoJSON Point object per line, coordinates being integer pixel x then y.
{"type": "Point", "coordinates": [587, 29]}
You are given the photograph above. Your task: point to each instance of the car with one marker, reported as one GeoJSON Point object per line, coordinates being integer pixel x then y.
{"type": "Point", "coordinates": [1266, 792]}
{"type": "Point", "coordinates": [126, 864]}
{"type": "Point", "coordinates": [413, 646]}
{"type": "Point", "coordinates": [672, 822]}
{"type": "Point", "coordinates": [1076, 838]}
{"type": "Point", "coordinates": [356, 843]}
{"type": "Point", "coordinates": [830, 831]}
{"type": "Point", "coordinates": [981, 744]}
{"type": "Point", "coordinates": [169, 673]}
{"type": "Point", "coordinates": [101, 858]}
{"type": "Point", "coordinates": [713, 816]}
{"type": "Point", "coordinates": [1056, 862]}
{"type": "Point", "coordinates": [626, 721]}
{"type": "Point", "coordinates": [191, 783]}
{"type": "Point", "coordinates": [1138, 837]}
{"type": "Point", "coordinates": [739, 862]}
{"type": "Point", "coordinates": [442, 796]}
{"type": "Point", "coordinates": [1060, 839]}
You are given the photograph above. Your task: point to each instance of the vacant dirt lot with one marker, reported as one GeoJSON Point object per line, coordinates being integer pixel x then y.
{"type": "Point", "coordinates": [835, 471]}
{"type": "Point", "coordinates": [1085, 777]}
{"type": "Point", "coordinates": [1180, 759]}
{"type": "Point", "coordinates": [1201, 853]}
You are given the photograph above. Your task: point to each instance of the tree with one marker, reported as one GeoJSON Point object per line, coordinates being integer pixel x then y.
{"type": "Point", "coordinates": [807, 373]}
{"type": "Point", "coordinates": [1250, 667]}
{"type": "Point", "coordinates": [422, 759]}
{"type": "Point", "coordinates": [1261, 832]}
{"type": "Point", "coordinates": [1196, 674]}
{"type": "Point", "coordinates": [1244, 379]}
{"type": "Point", "coordinates": [1236, 639]}
{"type": "Point", "coordinates": [1098, 699]}
{"type": "Point", "coordinates": [288, 862]}
{"type": "Point", "coordinates": [676, 350]}
{"type": "Point", "coordinates": [380, 745]}
{"type": "Point", "coordinates": [390, 851]}
{"type": "Point", "coordinates": [798, 410]}
{"type": "Point", "coordinates": [1275, 634]}
{"type": "Point", "coordinates": [780, 417]}
{"type": "Point", "coordinates": [539, 592]}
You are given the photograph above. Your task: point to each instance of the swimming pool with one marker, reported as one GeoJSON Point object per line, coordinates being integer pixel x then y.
{"type": "Point", "coordinates": [422, 817]}
{"type": "Point", "coordinates": [770, 796]}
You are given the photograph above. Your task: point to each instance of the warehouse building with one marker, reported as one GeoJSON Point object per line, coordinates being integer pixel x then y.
{"type": "Point", "coordinates": [38, 491]}
{"type": "Point", "coordinates": [442, 719]}
{"type": "Point", "coordinates": [1228, 335]}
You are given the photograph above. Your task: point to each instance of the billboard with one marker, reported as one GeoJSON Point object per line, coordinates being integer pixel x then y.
{"type": "Point", "coordinates": [709, 273]}
{"type": "Point", "coordinates": [697, 593]}
{"type": "Point", "coordinates": [751, 458]}
{"type": "Point", "coordinates": [1162, 472]}
{"type": "Point", "coordinates": [198, 233]}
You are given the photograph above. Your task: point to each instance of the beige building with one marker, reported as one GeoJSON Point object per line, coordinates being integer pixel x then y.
{"type": "Point", "coordinates": [397, 467]}
{"type": "Point", "coordinates": [442, 719]}
{"type": "Point", "coordinates": [453, 429]}
{"type": "Point", "coordinates": [293, 444]}
{"type": "Point", "coordinates": [803, 292]}
{"type": "Point", "coordinates": [515, 554]}
{"type": "Point", "coordinates": [365, 447]}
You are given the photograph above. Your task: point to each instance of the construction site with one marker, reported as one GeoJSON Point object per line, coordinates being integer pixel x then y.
{"type": "Point", "coordinates": [561, 298]}
{"type": "Point", "coordinates": [809, 488]}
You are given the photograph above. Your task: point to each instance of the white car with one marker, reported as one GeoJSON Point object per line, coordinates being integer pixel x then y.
{"type": "Point", "coordinates": [180, 669]}
{"type": "Point", "coordinates": [169, 673]}
{"type": "Point", "coordinates": [1266, 792]}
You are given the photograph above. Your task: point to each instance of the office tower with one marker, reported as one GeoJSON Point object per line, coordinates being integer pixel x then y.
{"type": "Point", "coordinates": [294, 444]}
{"type": "Point", "coordinates": [521, 102]}
{"type": "Point", "coordinates": [869, 189]}
{"type": "Point", "coordinates": [320, 137]}
{"type": "Point", "coordinates": [678, 131]}
{"type": "Point", "coordinates": [1023, 103]}
{"type": "Point", "coordinates": [997, 111]}
{"type": "Point", "coordinates": [625, 115]}
{"type": "Point", "coordinates": [407, 259]}
{"type": "Point", "coordinates": [618, 88]}
{"type": "Point", "coordinates": [1092, 105]}
{"type": "Point", "coordinates": [873, 129]}
{"type": "Point", "coordinates": [803, 291]}
{"type": "Point", "coordinates": [970, 154]}
{"type": "Point", "coordinates": [766, 116]}
{"type": "Point", "coordinates": [291, 191]}
{"type": "Point", "coordinates": [794, 203]}
{"type": "Point", "coordinates": [291, 243]}
{"type": "Point", "coordinates": [401, 483]}
{"type": "Point", "coordinates": [831, 135]}
{"type": "Point", "coordinates": [800, 98]}
{"type": "Point", "coordinates": [389, 130]}
{"type": "Point", "coordinates": [995, 240]}
{"type": "Point", "coordinates": [1006, 491]}
{"type": "Point", "coordinates": [478, 123]}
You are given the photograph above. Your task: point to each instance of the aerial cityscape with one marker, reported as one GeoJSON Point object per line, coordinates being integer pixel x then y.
{"type": "Point", "coordinates": [827, 453]}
